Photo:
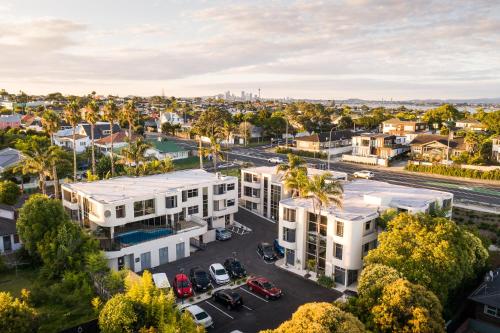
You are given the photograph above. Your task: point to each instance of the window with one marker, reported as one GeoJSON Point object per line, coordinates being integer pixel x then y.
{"type": "Point", "coordinates": [369, 227]}
{"type": "Point", "coordinates": [446, 204]}
{"type": "Point", "coordinates": [248, 177]}
{"type": "Point", "coordinates": [219, 189]}
{"type": "Point", "coordinates": [288, 235]}
{"type": "Point", "coordinates": [145, 207]}
{"type": "Point", "coordinates": [339, 230]}
{"type": "Point", "coordinates": [492, 311]}
{"type": "Point", "coordinates": [289, 215]}
{"type": "Point", "coordinates": [337, 251]}
{"type": "Point", "coordinates": [193, 210]}
{"type": "Point", "coordinates": [67, 196]}
{"type": "Point", "coordinates": [192, 193]}
{"type": "Point", "coordinates": [16, 239]}
{"type": "Point", "coordinates": [171, 202]}
{"type": "Point", "coordinates": [219, 205]}
{"type": "Point", "coordinates": [120, 211]}
{"type": "Point", "coordinates": [367, 247]}
{"type": "Point", "coordinates": [230, 186]}
{"type": "Point", "coordinates": [230, 202]}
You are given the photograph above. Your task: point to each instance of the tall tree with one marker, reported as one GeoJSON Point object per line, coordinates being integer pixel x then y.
{"type": "Point", "coordinates": [294, 173]}
{"type": "Point", "coordinates": [72, 116]}
{"type": "Point", "coordinates": [51, 123]}
{"type": "Point", "coordinates": [92, 117]}
{"type": "Point", "coordinates": [129, 112]}
{"type": "Point", "coordinates": [111, 115]}
{"type": "Point", "coordinates": [136, 153]}
{"type": "Point", "coordinates": [37, 160]}
{"type": "Point", "coordinates": [323, 191]}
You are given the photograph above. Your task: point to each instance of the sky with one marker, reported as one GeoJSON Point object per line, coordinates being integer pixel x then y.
{"type": "Point", "coordinates": [366, 49]}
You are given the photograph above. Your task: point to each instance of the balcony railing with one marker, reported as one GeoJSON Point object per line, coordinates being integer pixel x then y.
{"type": "Point", "coordinates": [129, 236]}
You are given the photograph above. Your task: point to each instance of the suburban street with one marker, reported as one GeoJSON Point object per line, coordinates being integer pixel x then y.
{"type": "Point", "coordinates": [258, 313]}
{"type": "Point", "coordinates": [463, 191]}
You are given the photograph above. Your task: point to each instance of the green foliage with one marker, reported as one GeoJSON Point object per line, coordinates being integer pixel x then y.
{"type": "Point", "coordinates": [431, 251]}
{"type": "Point", "coordinates": [144, 308]}
{"type": "Point", "coordinates": [441, 114]}
{"type": "Point", "coordinates": [407, 307]}
{"type": "Point", "coordinates": [39, 219]}
{"type": "Point", "coordinates": [103, 167]}
{"type": "Point", "coordinates": [492, 121]}
{"type": "Point", "coordinates": [371, 283]}
{"type": "Point", "coordinates": [9, 192]}
{"type": "Point", "coordinates": [16, 316]}
{"type": "Point", "coordinates": [326, 281]}
{"type": "Point", "coordinates": [455, 171]}
{"type": "Point", "coordinates": [305, 153]}
{"type": "Point", "coordinates": [320, 318]}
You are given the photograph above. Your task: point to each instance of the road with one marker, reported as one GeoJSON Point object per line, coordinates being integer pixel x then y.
{"type": "Point", "coordinates": [466, 192]}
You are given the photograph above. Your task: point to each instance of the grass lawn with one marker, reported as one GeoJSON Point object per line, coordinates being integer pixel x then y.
{"type": "Point", "coordinates": [13, 283]}
{"type": "Point", "coordinates": [231, 172]}
{"type": "Point", "coordinates": [192, 162]}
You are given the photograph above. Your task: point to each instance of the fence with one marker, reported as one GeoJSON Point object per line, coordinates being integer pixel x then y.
{"type": "Point", "coordinates": [372, 160]}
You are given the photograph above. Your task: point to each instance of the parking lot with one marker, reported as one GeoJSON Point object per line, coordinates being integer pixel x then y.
{"type": "Point", "coordinates": [258, 313]}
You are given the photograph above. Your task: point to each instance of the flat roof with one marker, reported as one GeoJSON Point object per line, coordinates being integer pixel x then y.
{"type": "Point", "coordinates": [124, 188]}
{"type": "Point", "coordinates": [355, 207]}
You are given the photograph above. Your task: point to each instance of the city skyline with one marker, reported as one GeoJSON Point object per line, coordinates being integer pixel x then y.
{"type": "Point", "coordinates": [340, 49]}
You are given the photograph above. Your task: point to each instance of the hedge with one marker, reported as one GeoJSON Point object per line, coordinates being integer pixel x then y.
{"type": "Point", "coordinates": [305, 153]}
{"type": "Point", "coordinates": [455, 171]}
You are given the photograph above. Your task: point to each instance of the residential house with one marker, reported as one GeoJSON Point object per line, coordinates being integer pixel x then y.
{"type": "Point", "coordinates": [407, 129]}
{"type": "Point", "coordinates": [31, 122]}
{"type": "Point", "coordinates": [262, 188]}
{"type": "Point", "coordinates": [144, 222]}
{"type": "Point", "coordinates": [64, 137]}
{"type": "Point", "coordinates": [10, 121]}
{"type": "Point", "coordinates": [162, 149]}
{"type": "Point", "coordinates": [347, 233]}
{"type": "Point", "coordinates": [485, 303]}
{"type": "Point", "coordinates": [496, 148]}
{"type": "Point", "coordinates": [471, 124]}
{"type": "Point", "coordinates": [431, 147]}
{"type": "Point", "coordinates": [9, 157]}
{"type": "Point", "coordinates": [381, 145]}
{"type": "Point", "coordinates": [341, 141]}
{"type": "Point", "coordinates": [9, 239]}
{"type": "Point", "coordinates": [120, 140]}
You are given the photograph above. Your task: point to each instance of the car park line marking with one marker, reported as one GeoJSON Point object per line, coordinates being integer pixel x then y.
{"type": "Point", "coordinates": [262, 299]}
{"type": "Point", "coordinates": [246, 307]}
{"type": "Point", "coordinates": [218, 309]}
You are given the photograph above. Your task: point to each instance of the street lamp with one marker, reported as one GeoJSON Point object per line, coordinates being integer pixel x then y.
{"type": "Point", "coordinates": [329, 147]}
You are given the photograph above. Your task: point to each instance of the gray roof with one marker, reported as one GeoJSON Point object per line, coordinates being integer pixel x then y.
{"type": "Point", "coordinates": [9, 157]}
{"type": "Point", "coordinates": [488, 292]}
{"type": "Point", "coordinates": [99, 129]}
{"type": "Point", "coordinates": [12, 118]}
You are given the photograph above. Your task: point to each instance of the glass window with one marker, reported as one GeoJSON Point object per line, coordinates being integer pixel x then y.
{"type": "Point", "coordinates": [144, 207]}
{"type": "Point", "coordinates": [193, 210]}
{"type": "Point", "coordinates": [16, 239]}
{"type": "Point", "coordinates": [492, 311]}
{"type": "Point", "coordinates": [120, 211]}
{"type": "Point", "coordinates": [138, 208]}
{"type": "Point", "coordinates": [149, 206]}
{"type": "Point", "coordinates": [230, 202]}
{"type": "Point", "coordinates": [192, 193]}
{"type": "Point", "coordinates": [337, 251]}
{"type": "Point", "coordinates": [171, 202]}
{"type": "Point", "coordinates": [219, 189]}
{"type": "Point", "coordinates": [288, 235]}
{"type": "Point", "coordinates": [289, 215]}
{"type": "Point", "coordinates": [230, 186]}
{"type": "Point", "coordinates": [339, 230]}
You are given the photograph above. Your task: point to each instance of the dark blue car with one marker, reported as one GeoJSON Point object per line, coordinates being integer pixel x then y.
{"type": "Point", "coordinates": [280, 250]}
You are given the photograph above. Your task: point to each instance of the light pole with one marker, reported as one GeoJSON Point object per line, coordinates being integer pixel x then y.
{"type": "Point", "coordinates": [329, 147]}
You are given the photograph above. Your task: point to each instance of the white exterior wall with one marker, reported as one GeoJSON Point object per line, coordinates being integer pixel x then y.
{"type": "Point", "coordinates": [15, 246]}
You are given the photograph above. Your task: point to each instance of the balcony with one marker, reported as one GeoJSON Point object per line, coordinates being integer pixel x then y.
{"type": "Point", "coordinates": [136, 233]}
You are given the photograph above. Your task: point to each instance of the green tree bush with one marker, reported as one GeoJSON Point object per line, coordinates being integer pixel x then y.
{"type": "Point", "coordinates": [16, 316]}
{"type": "Point", "coordinates": [9, 192]}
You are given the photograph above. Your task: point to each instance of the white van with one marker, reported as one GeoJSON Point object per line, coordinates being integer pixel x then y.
{"type": "Point", "coordinates": [161, 281]}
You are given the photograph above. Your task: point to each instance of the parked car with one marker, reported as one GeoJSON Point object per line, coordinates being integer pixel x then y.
{"type": "Point", "coordinates": [229, 298]}
{"type": "Point", "coordinates": [264, 287]}
{"type": "Point", "coordinates": [200, 316]}
{"type": "Point", "coordinates": [218, 273]}
{"type": "Point", "coordinates": [280, 250]}
{"type": "Point", "coordinates": [199, 279]}
{"type": "Point", "coordinates": [363, 174]}
{"type": "Point", "coordinates": [222, 234]}
{"type": "Point", "coordinates": [234, 268]}
{"type": "Point", "coordinates": [266, 251]}
{"type": "Point", "coordinates": [182, 286]}
{"type": "Point", "coordinates": [276, 160]}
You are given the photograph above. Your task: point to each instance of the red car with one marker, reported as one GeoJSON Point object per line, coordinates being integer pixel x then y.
{"type": "Point", "coordinates": [264, 287]}
{"type": "Point", "coordinates": [182, 286]}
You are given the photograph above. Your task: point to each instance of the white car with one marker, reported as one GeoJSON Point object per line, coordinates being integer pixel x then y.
{"type": "Point", "coordinates": [364, 174]}
{"type": "Point", "coordinates": [276, 160]}
{"type": "Point", "coordinates": [200, 316]}
{"type": "Point", "coordinates": [219, 273]}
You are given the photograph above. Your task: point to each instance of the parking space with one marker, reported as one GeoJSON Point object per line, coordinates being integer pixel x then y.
{"type": "Point", "coordinates": [258, 312]}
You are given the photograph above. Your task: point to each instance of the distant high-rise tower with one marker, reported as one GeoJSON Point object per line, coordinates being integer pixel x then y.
{"type": "Point", "coordinates": [228, 94]}
{"type": "Point", "coordinates": [243, 95]}
{"type": "Point", "coordinates": [259, 93]}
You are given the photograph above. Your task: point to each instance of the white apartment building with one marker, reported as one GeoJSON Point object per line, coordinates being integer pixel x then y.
{"type": "Point", "coordinates": [262, 189]}
{"type": "Point", "coordinates": [347, 233]}
{"type": "Point", "coordinates": [143, 222]}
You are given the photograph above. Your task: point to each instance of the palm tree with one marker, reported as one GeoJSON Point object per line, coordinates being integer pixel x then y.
{"type": "Point", "coordinates": [227, 130]}
{"type": "Point", "coordinates": [216, 152]}
{"type": "Point", "coordinates": [73, 117]}
{"type": "Point", "coordinates": [294, 172]}
{"type": "Point", "coordinates": [111, 115]}
{"type": "Point", "coordinates": [129, 112]}
{"type": "Point", "coordinates": [323, 191]}
{"type": "Point", "coordinates": [36, 161]}
{"type": "Point", "coordinates": [92, 116]}
{"type": "Point", "coordinates": [51, 123]}
{"type": "Point", "coordinates": [135, 153]}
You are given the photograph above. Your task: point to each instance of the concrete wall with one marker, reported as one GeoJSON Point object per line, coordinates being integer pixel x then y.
{"type": "Point", "coordinates": [372, 160]}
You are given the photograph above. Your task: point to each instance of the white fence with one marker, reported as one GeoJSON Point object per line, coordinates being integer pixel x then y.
{"type": "Point", "coordinates": [372, 160]}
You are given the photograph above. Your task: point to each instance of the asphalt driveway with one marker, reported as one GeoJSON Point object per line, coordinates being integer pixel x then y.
{"type": "Point", "coordinates": [259, 313]}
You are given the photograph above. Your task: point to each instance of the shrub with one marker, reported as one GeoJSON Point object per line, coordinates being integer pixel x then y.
{"type": "Point", "coordinates": [9, 192]}
{"type": "Point", "coordinates": [455, 171]}
{"type": "Point", "coordinates": [305, 153]}
{"type": "Point", "coordinates": [326, 281]}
